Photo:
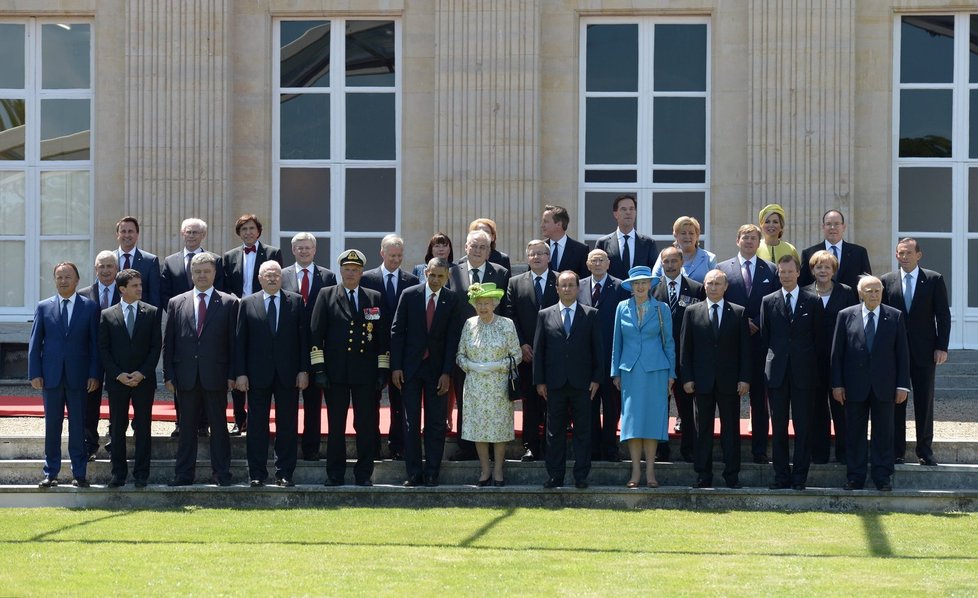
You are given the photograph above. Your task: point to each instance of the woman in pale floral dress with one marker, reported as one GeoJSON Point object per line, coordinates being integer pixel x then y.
{"type": "Point", "coordinates": [488, 341]}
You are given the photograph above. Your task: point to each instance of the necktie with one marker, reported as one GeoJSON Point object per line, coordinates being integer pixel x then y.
{"type": "Point", "coordinates": [673, 295]}
{"type": "Point", "coordinates": [251, 249]}
{"type": "Point", "coordinates": [353, 301]}
{"type": "Point", "coordinates": [130, 320]}
{"type": "Point", "coordinates": [304, 289]}
{"type": "Point", "coordinates": [870, 330]}
{"type": "Point", "coordinates": [908, 291]}
{"type": "Point", "coordinates": [201, 311]}
{"type": "Point", "coordinates": [64, 314]}
{"type": "Point", "coordinates": [475, 276]}
{"type": "Point", "coordinates": [716, 319]}
{"type": "Point", "coordinates": [190, 256]}
{"type": "Point", "coordinates": [429, 314]}
{"type": "Point", "coordinates": [272, 314]}
{"type": "Point", "coordinates": [567, 321]}
{"type": "Point", "coordinates": [391, 293]}
{"type": "Point", "coordinates": [626, 254]}
{"type": "Point", "coordinates": [554, 256]}
{"type": "Point", "coordinates": [787, 304]}
{"type": "Point", "coordinates": [596, 295]}
{"type": "Point", "coordinates": [538, 289]}
{"type": "Point", "coordinates": [105, 297]}
{"type": "Point", "coordinates": [835, 254]}
{"type": "Point", "coordinates": [748, 279]}
{"type": "Point", "coordinates": [128, 263]}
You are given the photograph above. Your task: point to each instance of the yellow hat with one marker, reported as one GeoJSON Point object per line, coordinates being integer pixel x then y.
{"type": "Point", "coordinates": [771, 207]}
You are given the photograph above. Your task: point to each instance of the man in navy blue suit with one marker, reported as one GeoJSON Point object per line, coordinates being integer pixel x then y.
{"type": "Point", "coordinates": [626, 247]}
{"type": "Point", "coordinates": [565, 253]}
{"type": "Point", "coordinates": [130, 256]}
{"type": "Point", "coordinates": [749, 279]}
{"type": "Point", "coordinates": [424, 341]}
{"type": "Point", "coordinates": [870, 374]}
{"type": "Point", "coordinates": [63, 363]}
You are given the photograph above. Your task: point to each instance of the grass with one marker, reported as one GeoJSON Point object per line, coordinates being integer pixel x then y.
{"type": "Point", "coordinates": [483, 552]}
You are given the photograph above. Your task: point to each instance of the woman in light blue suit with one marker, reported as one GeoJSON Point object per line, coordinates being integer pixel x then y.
{"type": "Point", "coordinates": [696, 260]}
{"type": "Point", "coordinates": [643, 359]}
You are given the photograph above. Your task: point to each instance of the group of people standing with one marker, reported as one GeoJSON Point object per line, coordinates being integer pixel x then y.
{"type": "Point", "coordinates": [589, 338]}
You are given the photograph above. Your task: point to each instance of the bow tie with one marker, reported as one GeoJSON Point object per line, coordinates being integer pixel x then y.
{"type": "Point", "coordinates": [251, 249]}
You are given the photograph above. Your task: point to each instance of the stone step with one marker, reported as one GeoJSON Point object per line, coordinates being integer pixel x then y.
{"type": "Point", "coordinates": [955, 382]}
{"type": "Point", "coordinates": [667, 497]}
{"type": "Point", "coordinates": [917, 477]}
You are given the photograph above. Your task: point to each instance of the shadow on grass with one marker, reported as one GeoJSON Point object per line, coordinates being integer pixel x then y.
{"type": "Point", "coordinates": [46, 535]}
{"type": "Point", "coordinates": [876, 538]}
{"type": "Point", "coordinates": [466, 543]}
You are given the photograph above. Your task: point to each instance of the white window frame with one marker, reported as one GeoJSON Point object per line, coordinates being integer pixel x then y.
{"type": "Point", "coordinates": [644, 188]}
{"type": "Point", "coordinates": [337, 164]}
{"type": "Point", "coordinates": [33, 167]}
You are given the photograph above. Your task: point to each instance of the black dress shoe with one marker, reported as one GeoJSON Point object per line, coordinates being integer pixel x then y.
{"type": "Point", "coordinates": [702, 484]}
{"type": "Point", "coordinates": [899, 461]}
{"type": "Point", "coordinates": [175, 433]}
{"type": "Point", "coordinates": [553, 483]}
{"type": "Point", "coordinates": [884, 487]}
{"type": "Point", "coordinates": [311, 457]}
{"type": "Point", "coordinates": [284, 483]}
{"type": "Point", "coordinates": [80, 483]}
{"type": "Point", "coordinates": [929, 461]}
{"type": "Point", "coordinates": [413, 483]}
{"type": "Point", "coordinates": [332, 482]}
{"type": "Point", "coordinates": [734, 485]}
{"type": "Point", "coordinates": [798, 487]}
{"type": "Point", "coordinates": [140, 483]}
{"type": "Point", "coordinates": [236, 430]}
{"type": "Point", "coordinates": [48, 483]}
{"type": "Point", "coordinates": [761, 459]}
{"type": "Point", "coordinates": [365, 483]}
{"type": "Point", "coordinates": [852, 486]}
{"type": "Point", "coordinates": [779, 486]}
{"type": "Point", "coordinates": [116, 483]}
{"type": "Point", "coordinates": [176, 483]}
{"type": "Point", "coordinates": [528, 457]}
{"type": "Point", "coordinates": [224, 482]}
{"type": "Point", "coordinates": [581, 484]}
{"type": "Point", "coordinates": [257, 483]}
{"type": "Point", "coordinates": [431, 481]}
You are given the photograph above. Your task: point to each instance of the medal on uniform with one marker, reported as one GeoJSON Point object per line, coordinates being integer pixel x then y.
{"type": "Point", "coordinates": [370, 328]}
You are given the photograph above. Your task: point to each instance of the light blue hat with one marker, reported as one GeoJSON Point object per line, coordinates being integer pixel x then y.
{"type": "Point", "coordinates": [639, 273]}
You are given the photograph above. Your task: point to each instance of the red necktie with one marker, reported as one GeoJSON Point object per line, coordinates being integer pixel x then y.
{"type": "Point", "coordinates": [429, 317]}
{"type": "Point", "coordinates": [304, 289]}
{"type": "Point", "coordinates": [251, 249]}
{"type": "Point", "coordinates": [596, 295]}
{"type": "Point", "coordinates": [201, 311]}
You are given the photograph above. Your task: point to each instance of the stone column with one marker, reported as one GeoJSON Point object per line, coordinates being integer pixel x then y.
{"type": "Point", "coordinates": [487, 133]}
{"type": "Point", "coordinates": [801, 99]}
{"type": "Point", "coordinates": [177, 119]}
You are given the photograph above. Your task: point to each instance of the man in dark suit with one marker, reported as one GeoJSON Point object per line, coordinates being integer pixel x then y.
{"type": "Point", "coordinates": [307, 279]}
{"type": "Point", "coordinates": [175, 280]}
{"type": "Point", "coordinates": [603, 292]}
{"type": "Point", "coordinates": [130, 256]}
{"type": "Point", "coordinates": [870, 373]}
{"type": "Point", "coordinates": [922, 297]}
{"type": "Point", "coordinates": [526, 295]}
{"type": "Point", "coordinates": [679, 292]}
{"type": "Point", "coordinates": [63, 363]}
{"type": "Point", "coordinates": [197, 353]}
{"type": "Point", "coordinates": [424, 341]}
{"type": "Point", "coordinates": [104, 293]}
{"type": "Point", "coordinates": [241, 266]}
{"type": "Point", "coordinates": [750, 279]}
{"type": "Point", "coordinates": [567, 370]}
{"type": "Point", "coordinates": [565, 253]}
{"type": "Point", "coordinates": [715, 365]}
{"type": "Point", "coordinates": [626, 247]}
{"type": "Point", "coordinates": [853, 259]}
{"type": "Point", "coordinates": [390, 280]}
{"type": "Point", "coordinates": [475, 268]}
{"type": "Point", "coordinates": [348, 322]}
{"type": "Point", "coordinates": [791, 320]}
{"type": "Point", "coordinates": [272, 360]}
{"type": "Point", "coordinates": [130, 341]}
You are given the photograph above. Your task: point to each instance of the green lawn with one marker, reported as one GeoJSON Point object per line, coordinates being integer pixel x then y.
{"type": "Point", "coordinates": [483, 552]}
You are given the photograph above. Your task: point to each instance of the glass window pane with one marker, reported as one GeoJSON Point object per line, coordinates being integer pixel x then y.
{"type": "Point", "coordinates": [925, 199]}
{"type": "Point", "coordinates": [679, 176]}
{"type": "Point", "coordinates": [322, 252]}
{"type": "Point", "coordinates": [12, 217]}
{"type": "Point", "coordinates": [973, 46]}
{"type": "Point", "coordinates": [680, 58]}
{"type": "Point", "coordinates": [612, 58]}
{"type": "Point", "coordinates": [667, 207]}
{"type": "Point", "coordinates": [65, 129]}
{"type": "Point", "coordinates": [611, 131]}
{"type": "Point", "coordinates": [370, 247]}
{"type": "Point", "coordinates": [65, 203]}
{"type": "Point", "coordinates": [370, 126]}
{"type": "Point", "coordinates": [973, 119]}
{"type": "Point", "coordinates": [304, 199]}
{"type": "Point", "coordinates": [679, 130]}
{"type": "Point", "coordinates": [304, 128]}
{"type": "Point", "coordinates": [927, 49]}
{"type": "Point", "coordinates": [973, 202]}
{"type": "Point", "coordinates": [12, 271]}
{"type": "Point", "coordinates": [937, 256]}
{"type": "Point", "coordinates": [972, 279]}
{"type": "Point", "coordinates": [925, 123]}
{"type": "Point", "coordinates": [12, 51]}
{"type": "Point", "coordinates": [370, 53]}
{"type": "Point", "coordinates": [53, 253]}
{"type": "Point", "coordinates": [371, 195]}
{"type": "Point", "coordinates": [305, 54]}
{"type": "Point", "coordinates": [13, 120]}
{"type": "Point", "coordinates": [610, 176]}
{"type": "Point", "coordinates": [598, 218]}
{"type": "Point", "coordinates": [66, 56]}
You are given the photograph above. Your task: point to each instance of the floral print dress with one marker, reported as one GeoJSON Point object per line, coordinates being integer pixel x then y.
{"type": "Point", "coordinates": [483, 354]}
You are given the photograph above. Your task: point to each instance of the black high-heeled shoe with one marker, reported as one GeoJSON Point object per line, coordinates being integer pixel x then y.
{"type": "Point", "coordinates": [485, 482]}
{"type": "Point", "coordinates": [499, 483]}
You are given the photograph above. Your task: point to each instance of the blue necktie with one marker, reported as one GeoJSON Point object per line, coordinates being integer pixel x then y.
{"type": "Point", "coordinates": [567, 321]}
{"type": "Point", "coordinates": [391, 294]}
{"type": "Point", "coordinates": [908, 291]}
{"type": "Point", "coordinates": [130, 320]}
{"type": "Point", "coordinates": [64, 314]}
{"type": "Point", "coordinates": [870, 330]}
{"type": "Point", "coordinates": [538, 288]}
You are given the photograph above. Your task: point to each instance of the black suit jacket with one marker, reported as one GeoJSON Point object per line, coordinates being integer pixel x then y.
{"type": "Point", "coordinates": [690, 293]}
{"type": "Point", "coordinates": [410, 337]}
{"type": "Point", "coordinates": [573, 256]}
{"type": "Point", "coordinates": [521, 302]}
{"type": "Point", "coordinates": [496, 257]}
{"type": "Point", "coordinates": [186, 356]}
{"type": "Point", "coordinates": [148, 266]}
{"type": "Point", "coordinates": [234, 267]}
{"type": "Point", "coordinates": [711, 360]}
{"type": "Point", "coordinates": [262, 355]}
{"type": "Point", "coordinates": [173, 280]}
{"type": "Point", "coordinates": [765, 282]}
{"type": "Point", "coordinates": [929, 321]}
{"type": "Point", "coordinates": [92, 293]}
{"type": "Point", "coordinates": [854, 263]}
{"type": "Point", "coordinates": [792, 342]}
{"type": "Point", "coordinates": [351, 341]}
{"type": "Point", "coordinates": [374, 279]}
{"type": "Point", "coordinates": [119, 352]}
{"type": "Point", "coordinates": [842, 297]}
{"type": "Point", "coordinates": [612, 294]}
{"type": "Point", "coordinates": [458, 281]}
{"type": "Point", "coordinates": [573, 360]}
{"type": "Point", "coordinates": [859, 370]}
{"type": "Point", "coordinates": [645, 254]}
{"type": "Point", "coordinates": [320, 279]}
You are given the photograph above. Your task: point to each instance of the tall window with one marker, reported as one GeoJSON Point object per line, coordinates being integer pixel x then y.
{"type": "Point", "coordinates": [45, 156]}
{"type": "Point", "coordinates": [645, 106]}
{"type": "Point", "coordinates": [336, 122]}
{"type": "Point", "coordinates": [936, 146]}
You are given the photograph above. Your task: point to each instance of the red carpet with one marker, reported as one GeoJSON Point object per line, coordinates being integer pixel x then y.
{"type": "Point", "coordinates": [163, 411]}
